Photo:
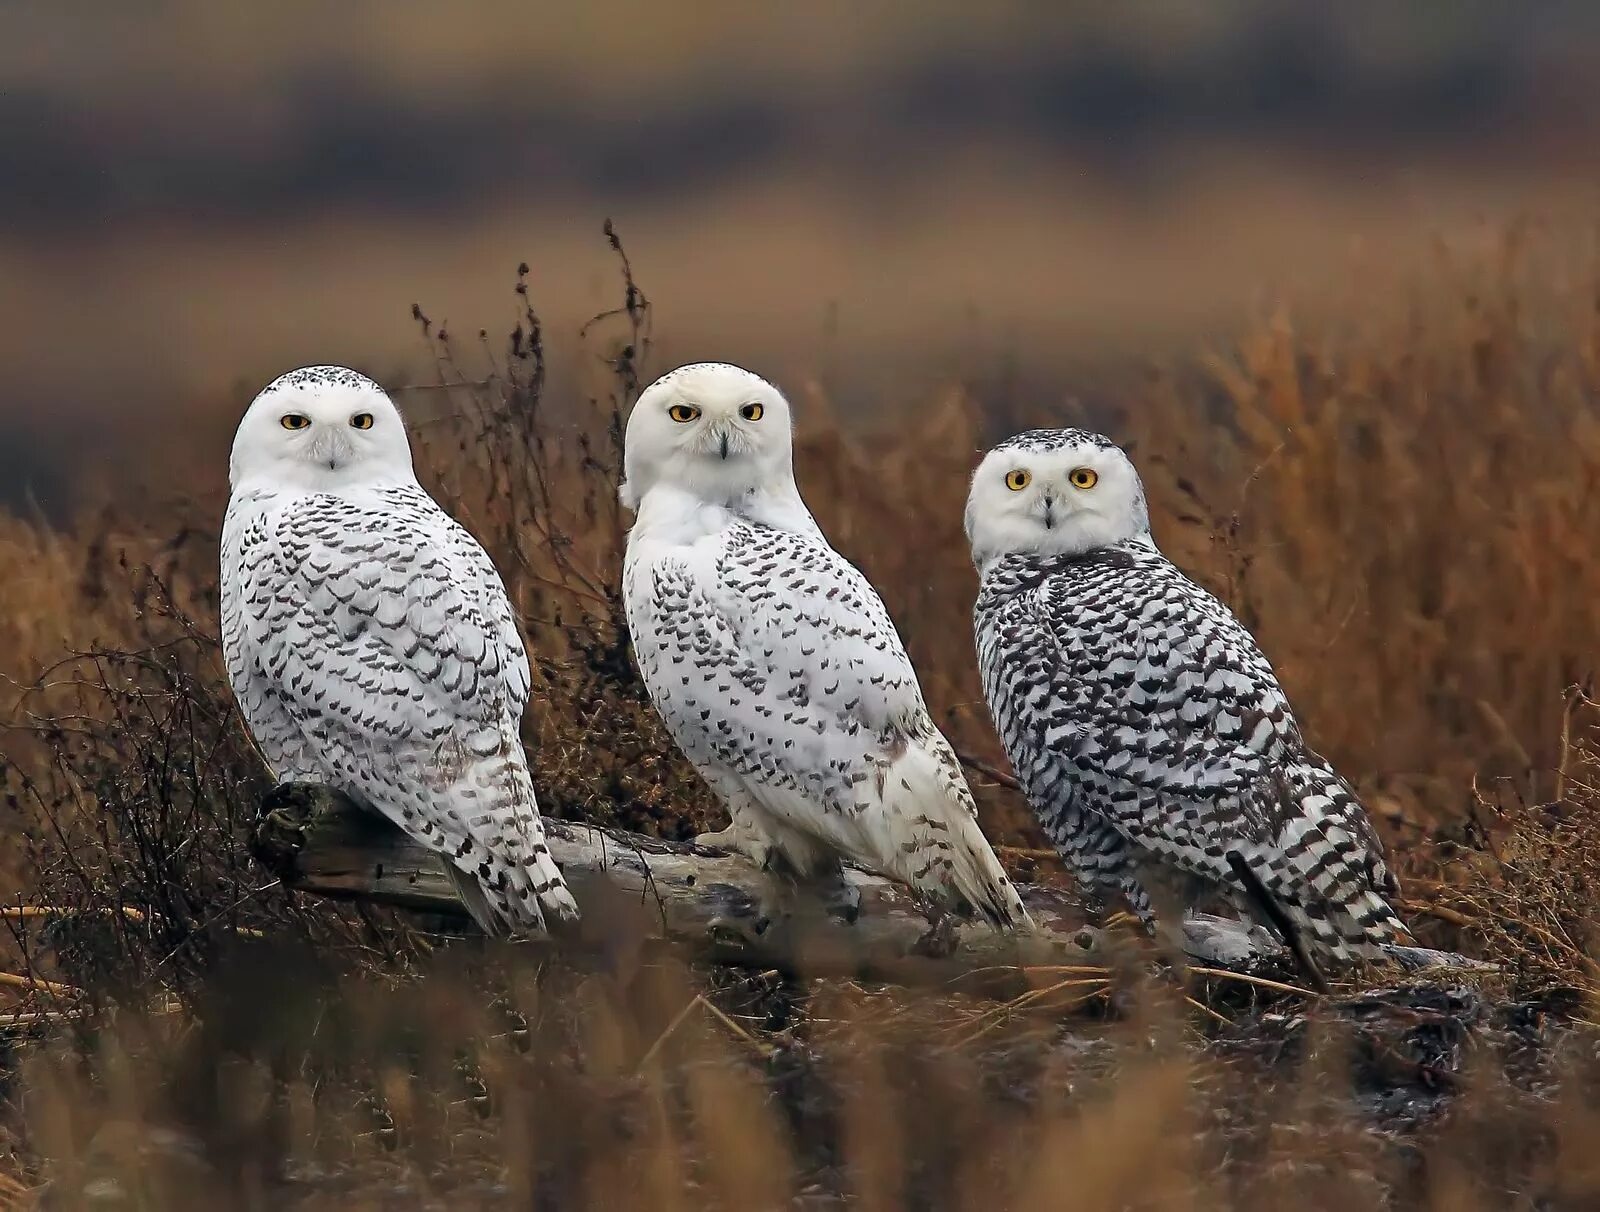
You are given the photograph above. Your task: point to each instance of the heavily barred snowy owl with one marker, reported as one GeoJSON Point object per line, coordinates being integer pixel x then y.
{"type": "Point", "coordinates": [1147, 729]}
{"type": "Point", "coordinates": [370, 643]}
{"type": "Point", "coordinates": [773, 661]}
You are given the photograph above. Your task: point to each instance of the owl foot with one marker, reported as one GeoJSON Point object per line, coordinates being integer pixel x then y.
{"type": "Point", "coordinates": [940, 941]}
{"type": "Point", "coordinates": [280, 830]}
{"type": "Point", "coordinates": [738, 933]}
{"type": "Point", "coordinates": [736, 839]}
{"type": "Point", "coordinates": [842, 900]}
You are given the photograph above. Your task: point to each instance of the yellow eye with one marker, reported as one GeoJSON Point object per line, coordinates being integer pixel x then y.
{"type": "Point", "coordinates": [1019, 479]}
{"type": "Point", "coordinates": [683, 413]}
{"type": "Point", "coordinates": [752, 412]}
{"type": "Point", "coordinates": [362, 420]}
{"type": "Point", "coordinates": [293, 420]}
{"type": "Point", "coordinates": [1083, 477]}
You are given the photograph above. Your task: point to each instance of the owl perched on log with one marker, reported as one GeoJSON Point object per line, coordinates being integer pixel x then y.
{"type": "Point", "coordinates": [1146, 728]}
{"type": "Point", "coordinates": [370, 643]}
{"type": "Point", "coordinates": [774, 663]}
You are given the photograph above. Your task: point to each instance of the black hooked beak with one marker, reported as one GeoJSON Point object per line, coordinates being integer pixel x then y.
{"type": "Point", "coordinates": [724, 445]}
{"type": "Point", "coordinates": [1049, 513]}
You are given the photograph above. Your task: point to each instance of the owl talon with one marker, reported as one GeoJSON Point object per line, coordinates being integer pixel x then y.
{"type": "Point", "coordinates": [280, 835]}
{"type": "Point", "coordinates": [736, 840]}
{"type": "Point", "coordinates": [283, 828]}
{"type": "Point", "coordinates": [940, 941]}
{"type": "Point", "coordinates": [741, 934]}
{"type": "Point", "coordinates": [844, 902]}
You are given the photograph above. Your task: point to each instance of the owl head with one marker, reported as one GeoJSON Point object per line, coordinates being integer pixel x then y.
{"type": "Point", "coordinates": [321, 428]}
{"type": "Point", "coordinates": [1053, 492]}
{"type": "Point", "coordinates": [713, 431]}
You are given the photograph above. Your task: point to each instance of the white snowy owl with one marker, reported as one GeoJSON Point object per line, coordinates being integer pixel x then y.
{"type": "Point", "coordinates": [370, 643]}
{"type": "Point", "coordinates": [1147, 729]}
{"type": "Point", "coordinates": [773, 661]}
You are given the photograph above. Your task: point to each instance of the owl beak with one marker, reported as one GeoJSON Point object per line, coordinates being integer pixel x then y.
{"type": "Point", "coordinates": [332, 449]}
{"type": "Point", "coordinates": [724, 445]}
{"type": "Point", "coordinates": [1049, 513]}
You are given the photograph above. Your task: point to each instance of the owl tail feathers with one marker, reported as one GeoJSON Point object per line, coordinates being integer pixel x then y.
{"type": "Point", "coordinates": [1268, 909]}
{"type": "Point", "coordinates": [470, 890]}
{"type": "Point", "coordinates": [506, 899]}
{"type": "Point", "coordinates": [1328, 878]}
{"type": "Point", "coordinates": [1323, 930]}
{"type": "Point", "coordinates": [934, 842]}
{"type": "Point", "coordinates": [1360, 926]}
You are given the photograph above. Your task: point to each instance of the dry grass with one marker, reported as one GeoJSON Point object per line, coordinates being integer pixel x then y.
{"type": "Point", "coordinates": [1403, 509]}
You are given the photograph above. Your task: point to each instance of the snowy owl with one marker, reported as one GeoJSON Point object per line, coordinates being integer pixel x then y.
{"type": "Point", "coordinates": [370, 643]}
{"type": "Point", "coordinates": [773, 661]}
{"type": "Point", "coordinates": [1146, 728]}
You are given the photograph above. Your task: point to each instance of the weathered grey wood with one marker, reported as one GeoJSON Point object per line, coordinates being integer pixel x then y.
{"type": "Point", "coordinates": [719, 903]}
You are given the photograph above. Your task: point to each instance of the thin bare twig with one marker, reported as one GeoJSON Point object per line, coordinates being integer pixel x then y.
{"type": "Point", "coordinates": [989, 771]}
{"type": "Point", "coordinates": [54, 988]}
{"type": "Point", "coordinates": [1244, 978]}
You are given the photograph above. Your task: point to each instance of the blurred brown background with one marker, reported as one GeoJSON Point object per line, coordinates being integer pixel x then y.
{"type": "Point", "coordinates": [195, 196]}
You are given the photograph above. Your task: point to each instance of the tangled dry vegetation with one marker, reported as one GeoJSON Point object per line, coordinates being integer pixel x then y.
{"type": "Point", "coordinates": [1402, 506]}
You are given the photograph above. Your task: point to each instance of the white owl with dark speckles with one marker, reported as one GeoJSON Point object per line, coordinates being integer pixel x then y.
{"type": "Point", "coordinates": [370, 643]}
{"type": "Point", "coordinates": [1145, 726]}
{"type": "Point", "coordinates": [773, 661]}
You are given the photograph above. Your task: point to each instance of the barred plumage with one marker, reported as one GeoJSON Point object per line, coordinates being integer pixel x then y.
{"type": "Point", "coordinates": [1147, 729]}
{"type": "Point", "coordinates": [370, 642]}
{"type": "Point", "coordinates": [774, 663]}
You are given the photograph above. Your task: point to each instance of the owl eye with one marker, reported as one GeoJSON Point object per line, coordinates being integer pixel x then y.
{"type": "Point", "coordinates": [683, 413]}
{"type": "Point", "coordinates": [362, 420]}
{"type": "Point", "coordinates": [1083, 477]}
{"type": "Point", "coordinates": [294, 420]}
{"type": "Point", "coordinates": [1019, 479]}
{"type": "Point", "coordinates": [752, 411]}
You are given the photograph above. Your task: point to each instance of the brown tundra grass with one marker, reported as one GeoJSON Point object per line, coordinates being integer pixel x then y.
{"type": "Point", "coordinates": [1400, 503]}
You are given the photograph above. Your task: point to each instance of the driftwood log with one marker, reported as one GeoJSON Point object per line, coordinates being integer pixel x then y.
{"type": "Point", "coordinates": [718, 903]}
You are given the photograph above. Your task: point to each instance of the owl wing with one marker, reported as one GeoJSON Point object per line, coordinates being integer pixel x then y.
{"type": "Point", "coordinates": [480, 580]}
{"type": "Point", "coordinates": [817, 626]}
{"type": "Point", "coordinates": [772, 658]}
{"type": "Point", "coordinates": [382, 634]}
{"type": "Point", "coordinates": [1167, 710]}
{"type": "Point", "coordinates": [381, 624]}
